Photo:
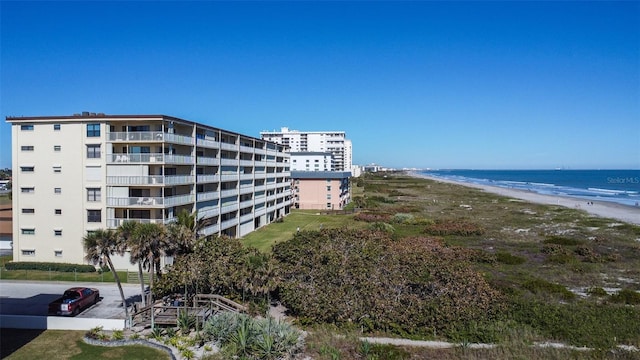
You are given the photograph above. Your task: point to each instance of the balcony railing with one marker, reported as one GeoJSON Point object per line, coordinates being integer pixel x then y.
{"type": "Point", "coordinates": [115, 222]}
{"type": "Point", "coordinates": [246, 162]}
{"type": "Point", "coordinates": [245, 204]}
{"type": "Point", "coordinates": [179, 139]}
{"type": "Point", "coordinates": [210, 230]}
{"type": "Point", "coordinates": [259, 212]}
{"type": "Point", "coordinates": [228, 223]}
{"type": "Point", "coordinates": [228, 177]}
{"type": "Point", "coordinates": [228, 162]}
{"type": "Point", "coordinates": [227, 193]}
{"type": "Point", "coordinates": [179, 159]}
{"type": "Point", "coordinates": [134, 158]}
{"type": "Point", "coordinates": [204, 196]}
{"type": "Point", "coordinates": [228, 208]}
{"type": "Point", "coordinates": [135, 136]}
{"type": "Point", "coordinates": [135, 180]}
{"type": "Point", "coordinates": [208, 178]}
{"type": "Point", "coordinates": [247, 149]}
{"type": "Point", "coordinates": [135, 201]}
{"type": "Point", "coordinates": [203, 160]}
{"type": "Point", "coordinates": [208, 212]}
{"type": "Point", "coordinates": [178, 179]}
{"type": "Point", "coordinates": [208, 143]}
{"type": "Point", "coordinates": [245, 218]}
{"type": "Point", "coordinates": [179, 200]}
{"type": "Point", "coordinates": [227, 146]}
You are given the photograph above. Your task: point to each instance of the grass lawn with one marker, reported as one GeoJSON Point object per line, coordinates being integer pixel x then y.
{"type": "Point", "coordinates": [307, 220]}
{"type": "Point", "coordinates": [57, 344]}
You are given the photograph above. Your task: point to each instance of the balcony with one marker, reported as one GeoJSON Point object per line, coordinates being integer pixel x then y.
{"type": "Point", "coordinates": [202, 160]}
{"type": "Point", "coordinates": [259, 151]}
{"type": "Point", "coordinates": [229, 162]}
{"type": "Point", "coordinates": [208, 143]}
{"type": "Point", "coordinates": [228, 223]}
{"type": "Point", "coordinates": [179, 159]}
{"type": "Point", "coordinates": [247, 149]}
{"type": "Point", "coordinates": [248, 176]}
{"type": "Point", "coordinates": [259, 188]}
{"type": "Point", "coordinates": [210, 230]}
{"type": "Point", "coordinates": [229, 177]}
{"type": "Point", "coordinates": [207, 178]}
{"type": "Point", "coordinates": [208, 212]}
{"type": "Point", "coordinates": [227, 146]}
{"type": "Point", "coordinates": [229, 192]}
{"type": "Point", "coordinates": [246, 162]}
{"type": "Point", "coordinates": [135, 158]}
{"type": "Point", "coordinates": [245, 218]}
{"type": "Point", "coordinates": [259, 212]}
{"type": "Point", "coordinates": [248, 189]}
{"type": "Point", "coordinates": [229, 208]}
{"type": "Point", "coordinates": [135, 201]}
{"type": "Point", "coordinates": [245, 204]}
{"type": "Point", "coordinates": [113, 223]}
{"type": "Point", "coordinates": [178, 179]}
{"type": "Point", "coordinates": [178, 139]}
{"type": "Point", "coordinates": [178, 200]}
{"type": "Point", "coordinates": [135, 180]}
{"type": "Point", "coordinates": [204, 196]}
{"type": "Point", "coordinates": [135, 136]}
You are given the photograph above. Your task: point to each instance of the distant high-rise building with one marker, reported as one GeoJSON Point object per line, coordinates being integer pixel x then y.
{"type": "Point", "coordinates": [333, 142]}
{"type": "Point", "coordinates": [76, 174]}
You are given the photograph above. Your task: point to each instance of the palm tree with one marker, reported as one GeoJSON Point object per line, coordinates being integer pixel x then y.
{"type": "Point", "coordinates": [126, 233]}
{"type": "Point", "coordinates": [186, 230]}
{"type": "Point", "coordinates": [150, 243]}
{"type": "Point", "coordinates": [99, 245]}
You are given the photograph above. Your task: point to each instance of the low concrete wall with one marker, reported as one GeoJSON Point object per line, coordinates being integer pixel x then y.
{"type": "Point", "coordinates": [58, 323]}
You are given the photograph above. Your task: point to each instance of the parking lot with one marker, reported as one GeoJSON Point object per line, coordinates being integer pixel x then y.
{"type": "Point", "coordinates": [33, 298]}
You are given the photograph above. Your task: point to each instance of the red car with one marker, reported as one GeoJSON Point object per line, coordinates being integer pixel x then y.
{"type": "Point", "coordinates": [74, 300]}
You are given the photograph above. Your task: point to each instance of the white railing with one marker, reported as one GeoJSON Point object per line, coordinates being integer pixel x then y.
{"type": "Point", "coordinates": [115, 222]}
{"type": "Point", "coordinates": [259, 212]}
{"type": "Point", "coordinates": [247, 149]}
{"type": "Point", "coordinates": [228, 162]}
{"type": "Point", "coordinates": [178, 159]}
{"type": "Point", "coordinates": [246, 176]}
{"type": "Point", "coordinates": [134, 158]}
{"type": "Point", "coordinates": [135, 136]}
{"type": "Point", "coordinates": [245, 204]}
{"type": "Point", "coordinates": [208, 212]}
{"type": "Point", "coordinates": [246, 189]}
{"type": "Point", "coordinates": [227, 146]}
{"type": "Point", "coordinates": [135, 180]}
{"type": "Point", "coordinates": [208, 143]}
{"type": "Point", "coordinates": [178, 200]}
{"type": "Point", "coordinates": [207, 196]}
{"type": "Point", "coordinates": [260, 151]}
{"type": "Point", "coordinates": [203, 160]}
{"type": "Point", "coordinates": [210, 230]}
{"type": "Point", "coordinates": [228, 208]}
{"type": "Point", "coordinates": [246, 162]}
{"type": "Point", "coordinates": [260, 188]}
{"type": "Point", "coordinates": [245, 218]}
{"type": "Point", "coordinates": [228, 223]}
{"type": "Point", "coordinates": [178, 139]}
{"type": "Point", "coordinates": [178, 179]}
{"type": "Point", "coordinates": [134, 201]}
{"type": "Point", "coordinates": [208, 178]}
{"type": "Point", "coordinates": [230, 192]}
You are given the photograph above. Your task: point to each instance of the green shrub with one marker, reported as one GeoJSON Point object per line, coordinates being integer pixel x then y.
{"type": "Point", "coordinates": [626, 296]}
{"type": "Point", "coordinates": [381, 226]}
{"type": "Point", "coordinates": [402, 218]}
{"type": "Point", "coordinates": [454, 227]}
{"type": "Point", "coordinates": [538, 286]}
{"type": "Point", "coordinates": [560, 240]}
{"type": "Point", "coordinates": [509, 259]}
{"type": "Point", "coordinates": [46, 266]}
{"type": "Point", "coordinates": [597, 291]}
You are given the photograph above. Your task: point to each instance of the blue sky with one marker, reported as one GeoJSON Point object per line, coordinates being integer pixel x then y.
{"type": "Point", "coordinates": [492, 85]}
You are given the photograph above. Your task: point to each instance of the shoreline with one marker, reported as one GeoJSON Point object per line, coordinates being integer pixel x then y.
{"type": "Point", "coordinates": [628, 214]}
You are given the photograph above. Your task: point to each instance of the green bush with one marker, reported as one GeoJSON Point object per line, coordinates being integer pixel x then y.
{"type": "Point", "coordinates": [46, 266]}
{"type": "Point", "coordinates": [509, 259]}
{"type": "Point", "coordinates": [559, 240]}
{"type": "Point", "coordinates": [626, 296]}
{"type": "Point", "coordinates": [538, 286]}
{"type": "Point", "coordinates": [597, 291]}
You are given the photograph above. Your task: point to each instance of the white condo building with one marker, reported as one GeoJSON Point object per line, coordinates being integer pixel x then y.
{"type": "Point", "coordinates": [333, 142]}
{"type": "Point", "coordinates": [75, 174]}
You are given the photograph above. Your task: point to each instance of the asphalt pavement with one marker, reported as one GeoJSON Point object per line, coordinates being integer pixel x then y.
{"type": "Point", "coordinates": [20, 297]}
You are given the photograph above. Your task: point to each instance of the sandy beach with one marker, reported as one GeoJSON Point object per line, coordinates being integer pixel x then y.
{"type": "Point", "coordinates": [619, 212]}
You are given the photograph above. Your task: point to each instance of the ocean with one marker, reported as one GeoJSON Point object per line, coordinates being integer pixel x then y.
{"type": "Point", "coordinates": [619, 186]}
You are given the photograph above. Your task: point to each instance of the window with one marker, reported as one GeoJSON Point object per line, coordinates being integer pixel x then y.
{"type": "Point", "coordinates": [28, 211]}
{"type": "Point", "coordinates": [26, 148]}
{"type": "Point", "coordinates": [28, 231]}
{"type": "Point", "coordinates": [57, 169]}
{"type": "Point", "coordinates": [58, 211]}
{"type": "Point", "coordinates": [57, 190]}
{"type": "Point", "coordinates": [93, 130]}
{"type": "Point", "coordinates": [57, 147]}
{"type": "Point", "coordinates": [26, 127]}
{"type": "Point", "coordinates": [57, 232]}
{"type": "Point", "coordinates": [328, 205]}
{"type": "Point", "coordinates": [328, 196]}
{"type": "Point", "coordinates": [57, 253]}
{"type": "Point", "coordinates": [56, 127]}
{"type": "Point", "coordinates": [94, 215]}
{"type": "Point", "coordinates": [28, 252]}
{"type": "Point", "coordinates": [93, 194]}
{"type": "Point", "coordinates": [93, 151]}
{"type": "Point", "coordinates": [27, 189]}
{"type": "Point", "coordinates": [328, 187]}
{"type": "Point", "coordinates": [27, 168]}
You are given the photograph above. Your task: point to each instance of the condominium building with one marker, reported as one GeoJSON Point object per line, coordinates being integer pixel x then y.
{"type": "Point", "coordinates": [76, 174]}
{"type": "Point", "coordinates": [321, 190]}
{"type": "Point", "coordinates": [334, 142]}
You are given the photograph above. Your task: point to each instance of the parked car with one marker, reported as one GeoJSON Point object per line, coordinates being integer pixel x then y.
{"type": "Point", "coordinates": [74, 300]}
